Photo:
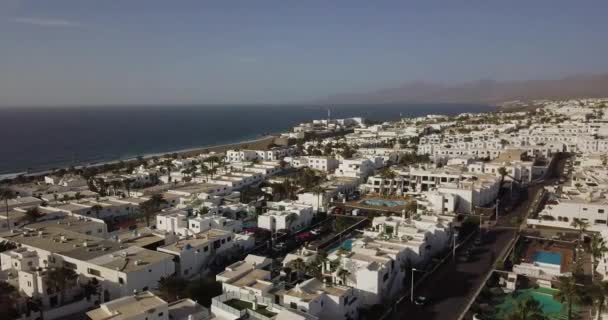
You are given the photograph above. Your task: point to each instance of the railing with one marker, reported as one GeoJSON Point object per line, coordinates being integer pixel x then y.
{"type": "Point", "coordinates": [227, 308]}
{"type": "Point", "coordinates": [219, 302]}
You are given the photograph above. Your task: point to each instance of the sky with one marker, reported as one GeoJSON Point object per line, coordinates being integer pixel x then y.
{"type": "Point", "coordinates": [91, 52]}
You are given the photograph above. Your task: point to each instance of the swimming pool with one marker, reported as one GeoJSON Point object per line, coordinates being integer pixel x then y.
{"type": "Point", "coordinates": [346, 245]}
{"type": "Point", "coordinates": [384, 203]}
{"type": "Point", "coordinates": [548, 257]}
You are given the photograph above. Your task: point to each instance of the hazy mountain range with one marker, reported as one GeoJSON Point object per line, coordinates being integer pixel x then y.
{"type": "Point", "coordinates": [483, 91]}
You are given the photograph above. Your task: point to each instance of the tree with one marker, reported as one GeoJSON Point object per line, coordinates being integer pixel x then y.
{"type": "Point", "coordinates": [527, 309]}
{"type": "Point", "coordinates": [91, 288]}
{"type": "Point", "coordinates": [149, 207]}
{"type": "Point", "coordinates": [127, 184]}
{"type": "Point", "coordinates": [502, 171]}
{"type": "Point", "coordinates": [7, 245]}
{"type": "Point", "coordinates": [32, 214]}
{"type": "Point", "coordinates": [581, 226]}
{"type": "Point", "coordinates": [298, 265]}
{"type": "Point", "coordinates": [318, 191]}
{"type": "Point", "coordinates": [290, 219]}
{"type": "Point", "coordinates": [598, 292]}
{"type": "Point", "coordinates": [568, 293]}
{"type": "Point", "coordinates": [61, 279]}
{"type": "Point", "coordinates": [6, 194]}
{"type": "Point", "coordinates": [97, 208]}
{"type": "Point", "coordinates": [598, 248]}
{"type": "Point", "coordinates": [343, 275]}
{"type": "Point", "coordinates": [172, 288]}
{"type": "Point", "coordinates": [8, 294]}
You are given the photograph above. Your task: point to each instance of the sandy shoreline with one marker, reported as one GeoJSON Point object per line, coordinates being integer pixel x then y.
{"type": "Point", "coordinates": [258, 143]}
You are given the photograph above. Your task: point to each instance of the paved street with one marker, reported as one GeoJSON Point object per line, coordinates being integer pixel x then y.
{"type": "Point", "coordinates": [453, 284]}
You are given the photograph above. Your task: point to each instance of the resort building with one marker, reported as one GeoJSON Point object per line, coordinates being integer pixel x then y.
{"type": "Point", "coordinates": [284, 215]}
{"type": "Point", "coordinates": [119, 269]}
{"type": "Point", "coordinates": [146, 305]}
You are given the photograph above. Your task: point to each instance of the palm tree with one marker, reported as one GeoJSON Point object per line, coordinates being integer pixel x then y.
{"type": "Point", "coordinates": [289, 220]}
{"type": "Point", "coordinates": [149, 207]}
{"type": "Point", "coordinates": [127, 184]}
{"type": "Point", "coordinates": [502, 171]}
{"type": "Point", "coordinates": [97, 208]}
{"type": "Point", "coordinates": [115, 186]}
{"type": "Point", "coordinates": [92, 287]}
{"type": "Point", "coordinates": [8, 295]}
{"type": "Point", "coordinates": [598, 248]}
{"type": "Point", "coordinates": [6, 194]}
{"type": "Point", "coordinates": [343, 275]}
{"type": "Point", "coordinates": [61, 279]}
{"type": "Point", "coordinates": [298, 265]}
{"type": "Point", "coordinates": [318, 191]}
{"type": "Point", "coordinates": [7, 245]}
{"type": "Point", "coordinates": [598, 292]}
{"type": "Point", "coordinates": [32, 214]}
{"type": "Point", "coordinates": [527, 309]}
{"type": "Point", "coordinates": [581, 226]}
{"type": "Point", "coordinates": [568, 293]}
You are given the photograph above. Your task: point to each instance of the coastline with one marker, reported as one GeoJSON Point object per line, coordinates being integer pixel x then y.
{"type": "Point", "coordinates": [262, 142]}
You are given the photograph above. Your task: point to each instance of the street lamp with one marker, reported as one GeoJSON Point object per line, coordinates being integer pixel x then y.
{"type": "Point", "coordinates": [454, 246]}
{"type": "Point", "coordinates": [497, 203]}
{"type": "Point", "coordinates": [412, 284]}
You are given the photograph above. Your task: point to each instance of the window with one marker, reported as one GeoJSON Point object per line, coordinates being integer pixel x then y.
{"type": "Point", "coordinates": [584, 209]}
{"type": "Point", "coordinates": [69, 265]}
{"type": "Point", "coordinates": [206, 249]}
{"type": "Point", "coordinates": [385, 277]}
{"type": "Point", "coordinates": [160, 314]}
{"type": "Point", "coordinates": [121, 280]}
{"type": "Point", "coordinates": [600, 210]}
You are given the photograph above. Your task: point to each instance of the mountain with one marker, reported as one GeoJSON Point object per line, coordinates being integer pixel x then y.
{"type": "Point", "coordinates": [483, 91]}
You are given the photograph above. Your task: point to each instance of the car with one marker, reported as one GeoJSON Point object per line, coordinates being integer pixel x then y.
{"type": "Point", "coordinates": [477, 241]}
{"type": "Point", "coordinates": [420, 300]}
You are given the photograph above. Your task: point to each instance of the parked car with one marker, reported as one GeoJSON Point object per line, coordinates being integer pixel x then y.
{"type": "Point", "coordinates": [420, 300]}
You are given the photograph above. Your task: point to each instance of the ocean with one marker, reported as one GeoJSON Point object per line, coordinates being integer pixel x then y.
{"type": "Point", "coordinates": [43, 138]}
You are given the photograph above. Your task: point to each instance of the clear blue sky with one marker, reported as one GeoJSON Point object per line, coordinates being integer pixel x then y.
{"type": "Point", "coordinates": [258, 51]}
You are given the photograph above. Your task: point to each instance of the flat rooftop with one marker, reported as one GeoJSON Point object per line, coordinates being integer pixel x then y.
{"type": "Point", "coordinates": [130, 259]}
{"type": "Point", "coordinates": [200, 239]}
{"type": "Point", "coordinates": [127, 307]}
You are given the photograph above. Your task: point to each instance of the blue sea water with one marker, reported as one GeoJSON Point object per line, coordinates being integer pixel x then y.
{"type": "Point", "coordinates": [42, 138]}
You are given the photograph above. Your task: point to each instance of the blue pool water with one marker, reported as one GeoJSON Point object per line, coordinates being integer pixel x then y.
{"type": "Point", "coordinates": [548, 257]}
{"type": "Point", "coordinates": [384, 203]}
{"type": "Point", "coordinates": [346, 245]}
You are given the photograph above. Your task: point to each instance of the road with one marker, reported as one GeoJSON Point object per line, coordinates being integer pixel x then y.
{"type": "Point", "coordinates": [453, 285]}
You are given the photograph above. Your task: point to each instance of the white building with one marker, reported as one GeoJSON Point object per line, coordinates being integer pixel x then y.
{"type": "Point", "coordinates": [286, 215]}
{"type": "Point", "coordinates": [120, 269]}
{"type": "Point", "coordinates": [148, 306]}
{"type": "Point", "coordinates": [195, 253]}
